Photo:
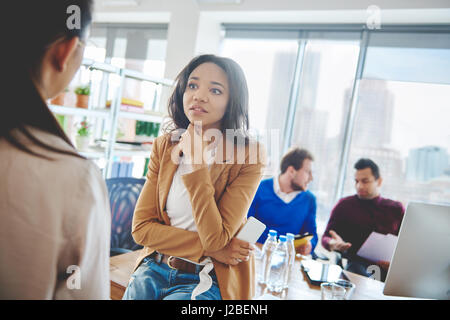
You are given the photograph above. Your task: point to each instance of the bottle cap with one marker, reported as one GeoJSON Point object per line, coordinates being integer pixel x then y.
{"type": "Point", "coordinates": [290, 236]}
{"type": "Point", "coordinates": [273, 233]}
{"type": "Point", "coordinates": [282, 238]}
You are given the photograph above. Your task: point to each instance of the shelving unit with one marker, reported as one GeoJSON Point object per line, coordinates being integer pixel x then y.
{"type": "Point", "coordinates": [113, 114]}
{"type": "Point", "coordinates": [73, 111]}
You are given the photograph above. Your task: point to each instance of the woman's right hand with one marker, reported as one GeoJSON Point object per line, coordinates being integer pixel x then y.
{"type": "Point", "coordinates": [234, 252]}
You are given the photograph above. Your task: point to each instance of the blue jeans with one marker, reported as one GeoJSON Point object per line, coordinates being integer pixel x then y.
{"type": "Point", "coordinates": [155, 281]}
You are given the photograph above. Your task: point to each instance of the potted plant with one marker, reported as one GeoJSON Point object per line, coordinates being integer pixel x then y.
{"type": "Point", "coordinates": [59, 99]}
{"type": "Point", "coordinates": [83, 93]}
{"type": "Point", "coordinates": [82, 138]}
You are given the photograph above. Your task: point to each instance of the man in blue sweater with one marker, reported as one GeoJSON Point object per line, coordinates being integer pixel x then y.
{"type": "Point", "coordinates": [283, 204]}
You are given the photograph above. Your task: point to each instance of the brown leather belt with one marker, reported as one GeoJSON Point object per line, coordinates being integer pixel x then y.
{"type": "Point", "coordinates": [177, 263]}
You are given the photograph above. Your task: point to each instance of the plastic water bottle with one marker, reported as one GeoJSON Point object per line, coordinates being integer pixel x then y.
{"type": "Point", "coordinates": [266, 255]}
{"type": "Point", "coordinates": [278, 266]}
{"type": "Point", "coordinates": [291, 258]}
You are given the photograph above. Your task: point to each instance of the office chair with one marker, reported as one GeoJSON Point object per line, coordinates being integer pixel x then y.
{"type": "Point", "coordinates": [123, 195]}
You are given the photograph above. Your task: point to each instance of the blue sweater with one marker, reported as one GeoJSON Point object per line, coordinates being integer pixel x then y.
{"type": "Point", "coordinates": [297, 216]}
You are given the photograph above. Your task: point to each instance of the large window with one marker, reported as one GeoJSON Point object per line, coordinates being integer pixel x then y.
{"type": "Point", "coordinates": [269, 66]}
{"type": "Point", "coordinates": [345, 92]}
{"type": "Point", "coordinates": [402, 119]}
{"type": "Point", "coordinates": [328, 71]}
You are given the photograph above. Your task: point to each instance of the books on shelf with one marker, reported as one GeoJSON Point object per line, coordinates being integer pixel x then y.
{"type": "Point", "coordinates": [126, 145]}
{"type": "Point", "coordinates": [130, 105]}
{"type": "Point", "coordinates": [121, 169]}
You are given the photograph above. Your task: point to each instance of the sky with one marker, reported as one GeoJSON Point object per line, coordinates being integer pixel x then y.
{"type": "Point", "coordinates": [421, 115]}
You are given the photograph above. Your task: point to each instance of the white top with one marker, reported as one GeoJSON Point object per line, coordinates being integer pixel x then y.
{"type": "Point", "coordinates": [286, 197]}
{"type": "Point", "coordinates": [55, 222]}
{"type": "Point", "coordinates": [178, 206]}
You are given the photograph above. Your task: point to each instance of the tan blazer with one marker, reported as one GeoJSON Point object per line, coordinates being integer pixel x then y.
{"type": "Point", "coordinates": [220, 197]}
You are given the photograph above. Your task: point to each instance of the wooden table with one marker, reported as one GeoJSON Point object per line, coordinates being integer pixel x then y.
{"type": "Point", "coordinates": [121, 268]}
{"type": "Point", "coordinates": [301, 289]}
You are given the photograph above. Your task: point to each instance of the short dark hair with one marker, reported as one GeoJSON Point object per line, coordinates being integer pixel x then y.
{"type": "Point", "coordinates": [236, 114]}
{"type": "Point", "coordinates": [295, 157]}
{"type": "Point", "coordinates": [364, 163]}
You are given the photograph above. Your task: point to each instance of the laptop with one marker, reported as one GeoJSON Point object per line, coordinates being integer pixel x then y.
{"type": "Point", "coordinates": [420, 266]}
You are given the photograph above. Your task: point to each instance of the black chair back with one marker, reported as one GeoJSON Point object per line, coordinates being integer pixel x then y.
{"type": "Point", "coordinates": [123, 195]}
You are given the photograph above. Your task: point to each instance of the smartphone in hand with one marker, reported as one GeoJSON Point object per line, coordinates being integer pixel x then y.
{"type": "Point", "coordinates": [251, 231]}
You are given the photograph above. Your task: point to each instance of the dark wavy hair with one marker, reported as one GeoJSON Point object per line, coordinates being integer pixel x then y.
{"type": "Point", "coordinates": [37, 25]}
{"type": "Point", "coordinates": [236, 113]}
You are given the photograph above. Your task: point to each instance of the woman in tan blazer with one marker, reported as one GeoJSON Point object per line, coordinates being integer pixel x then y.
{"type": "Point", "coordinates": [200, 184]}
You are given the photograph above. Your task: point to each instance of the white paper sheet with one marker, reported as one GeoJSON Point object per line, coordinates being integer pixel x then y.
{"type": "Point", "coordinates": [378, 247]}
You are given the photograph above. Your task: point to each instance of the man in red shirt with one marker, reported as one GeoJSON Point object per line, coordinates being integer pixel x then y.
{"type": "Point", "coordinates": [354, 218]}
